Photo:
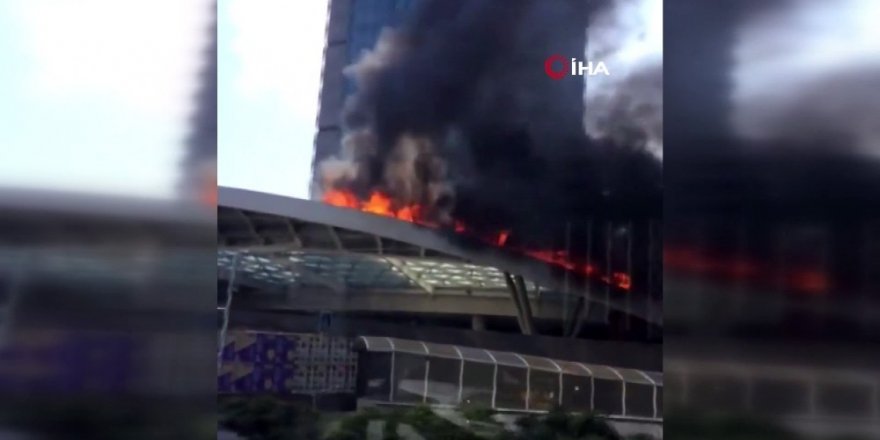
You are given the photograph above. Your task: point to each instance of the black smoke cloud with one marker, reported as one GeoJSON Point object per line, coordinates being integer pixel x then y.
{"type": "Point", "coordinates": [454, 111]}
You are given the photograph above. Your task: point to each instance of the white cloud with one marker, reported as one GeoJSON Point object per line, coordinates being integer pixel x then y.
{"type": "Point", "coordinates": [105, 95]}
{"type": "Point", "coordinates": [279, 44]}
{"type": "Point", "coordinates": [270, 76]}
{"type": "Point", "coordinates": [143, 55]}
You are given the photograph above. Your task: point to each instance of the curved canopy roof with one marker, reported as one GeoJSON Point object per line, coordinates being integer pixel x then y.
{"type": "Point", "coordinates": [469, 354]}
{"type": "Point", "coordinates": [281, 241]}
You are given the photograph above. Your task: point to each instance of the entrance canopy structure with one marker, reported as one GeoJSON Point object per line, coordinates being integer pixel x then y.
{"type": "Point", "coordinates": [400, 371]}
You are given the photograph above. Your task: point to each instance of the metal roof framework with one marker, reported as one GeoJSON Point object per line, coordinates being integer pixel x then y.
{"type": "Point", "coordinates": [281, 243]}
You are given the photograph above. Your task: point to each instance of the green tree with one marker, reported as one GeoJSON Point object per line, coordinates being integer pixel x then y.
{"type": "Point", "coordinates": [267, 418]}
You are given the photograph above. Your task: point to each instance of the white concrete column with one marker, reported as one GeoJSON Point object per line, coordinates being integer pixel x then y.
{"type": "Point", "coordinates": [478, 323]}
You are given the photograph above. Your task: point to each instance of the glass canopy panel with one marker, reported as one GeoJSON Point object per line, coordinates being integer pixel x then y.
{"type": "Point", "coordinates": [572, 368]}
{"type": "Point", "coordinates": [444, 351]}
{"type": "Point", "coordinates": [374, 343]}
{"type": "Point", "coordinates": [407, 346]}
{"type": "Point", "coordinates": [509, 359]}
{"type": "Point", "coordinates": [476, 355]}
{"type": "Point", "coordinates": [603, 372]}
{"type": "Point", "coordinates": [634, 376]}
{"type": "Point", "coordinates": [543, 364]}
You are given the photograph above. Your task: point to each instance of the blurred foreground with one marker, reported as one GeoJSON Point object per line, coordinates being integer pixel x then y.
{"type": "Point", "coordinates": [104, 334]}
{"type": "Point", "coordinates": [106, 244]}
{"type": "Point", "coordinates": [772, 237]}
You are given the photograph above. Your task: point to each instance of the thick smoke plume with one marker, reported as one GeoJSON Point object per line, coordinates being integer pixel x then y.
{"type": "Point", "coordinates": [453, 112]}
{"type": "Point", "coordinates": [627, 106]}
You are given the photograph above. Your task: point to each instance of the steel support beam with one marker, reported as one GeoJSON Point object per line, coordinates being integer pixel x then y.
{"type": "Point", "coordinates": [526, 305]}
{"type": "Point", "coordinates": [335, 237]}
{"type": "Point", "coordinates": [573, 324]}
{"type": "Point", "coordinates": [520, 316]}
{"type": "Point", "coordinates": [250, 225]}
{"type": "Point", "coordinates": [521, 301]}
{"type": "Point", "coordinates": [297, 241]}
{"type": "Point", "coordinates": [230, 288]}
{"type": "Point", "coordinates": [582, 316]}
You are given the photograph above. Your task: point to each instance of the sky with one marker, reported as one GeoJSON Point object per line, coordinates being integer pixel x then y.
{"type": "Point", "coordinates": [96, 104]}
{"type": "Point", "coordinates": [269, 68]}
{"type": "Point", "coordinates": [99, 105]}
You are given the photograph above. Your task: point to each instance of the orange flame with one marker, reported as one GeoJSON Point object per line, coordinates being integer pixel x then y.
{"type": "Point", "coordinates": [378, 203]}
{"type": "Point", "coordinates": [381, 204]}
{"type": "Point", "coordinates": [341, 199]}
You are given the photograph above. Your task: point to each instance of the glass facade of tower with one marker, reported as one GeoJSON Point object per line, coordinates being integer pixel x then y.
{"type": "Point", "coordinates": [354, 26]}
{"type": "Point", "coordinates": [367, 20]}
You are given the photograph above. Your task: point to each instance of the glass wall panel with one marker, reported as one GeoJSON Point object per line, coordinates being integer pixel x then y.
{"type": "Point", "coordinates": [639, 400]}
{"type": "Point", "coordinates": [511, 387]}
{"type": "Point", "coordinates": [443, 376]}
{"type": "Point", "coordinates": [477, 389]}
{"type": "Point", "coordinates": [544, 390]}
{"type": "Point", "coordinates": [609, 396]}
{"type": "Point", "coordinates": [576, 393]}
{"type": "Point", "coordinates": [409, 378]}
{"type": "Point", "coordinates": [374, 372]}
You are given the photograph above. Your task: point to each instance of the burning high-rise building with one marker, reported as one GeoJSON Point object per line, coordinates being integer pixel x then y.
{"type": "Point", "coordinates": [492, 216]}
{"type": "Point", "coordinates": [446, 117]}
{"type": "Point", "coordinates": [353, 26]}
{"type": "Point", "coordinates": [452, 110]}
